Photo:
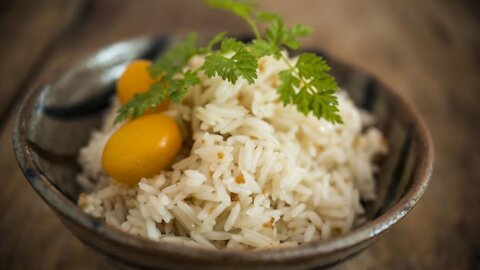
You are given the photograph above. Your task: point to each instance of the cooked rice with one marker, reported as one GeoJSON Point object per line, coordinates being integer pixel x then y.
{"type": "Point", "coordinates": [253, 173]}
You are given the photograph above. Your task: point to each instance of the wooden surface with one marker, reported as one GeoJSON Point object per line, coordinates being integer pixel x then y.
{"type": "Point", "coordinates": [428, 50]}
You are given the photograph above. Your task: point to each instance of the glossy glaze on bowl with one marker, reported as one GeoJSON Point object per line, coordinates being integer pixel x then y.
{"type": "Point", "coordinates": [57, 117]}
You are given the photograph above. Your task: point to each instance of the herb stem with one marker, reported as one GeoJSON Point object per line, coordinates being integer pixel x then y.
{"type": "Point", "coordinates": [286, 61]}
{"type": "Point", "coordinates": [293, 69]}
{"type": "Point", "coordinates": [254, 28]}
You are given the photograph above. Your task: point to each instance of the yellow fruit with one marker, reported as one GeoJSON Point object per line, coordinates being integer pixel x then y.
{"type": "Point", "coordinates": [135, 80]}
{"type": "Point", "coordinates": [141, 148]}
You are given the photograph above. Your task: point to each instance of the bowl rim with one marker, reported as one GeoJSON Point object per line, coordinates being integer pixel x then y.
{"type": "Point", "coordinates": [67, 208]}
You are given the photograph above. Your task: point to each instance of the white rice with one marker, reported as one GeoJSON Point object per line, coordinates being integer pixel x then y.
{"type": "Point", "coordinates": [253, 173]}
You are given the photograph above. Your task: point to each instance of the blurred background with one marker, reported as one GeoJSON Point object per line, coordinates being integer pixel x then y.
{"type": "Point", "coordinates": [427, 50]}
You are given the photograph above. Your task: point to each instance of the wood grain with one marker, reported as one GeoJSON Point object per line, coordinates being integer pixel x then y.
{"type": "Point", "coordinates": [28, 32]}
{"type": "Point", "coordinates": [428, 50]}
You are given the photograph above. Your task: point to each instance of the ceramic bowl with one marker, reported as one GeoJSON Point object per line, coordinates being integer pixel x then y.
{"type": "Point", "coordinates": [56, 119]}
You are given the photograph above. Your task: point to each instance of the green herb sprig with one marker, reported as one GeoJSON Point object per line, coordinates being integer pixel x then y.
{"type": "Point", "coordinates": [306, 85]}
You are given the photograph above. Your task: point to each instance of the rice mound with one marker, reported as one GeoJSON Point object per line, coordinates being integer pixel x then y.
{"type": "Point", "coordinates": [252, 173]}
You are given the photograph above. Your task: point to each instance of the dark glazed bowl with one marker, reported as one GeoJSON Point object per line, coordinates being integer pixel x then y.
{"type": "Point", "coordinates": [56, 119]}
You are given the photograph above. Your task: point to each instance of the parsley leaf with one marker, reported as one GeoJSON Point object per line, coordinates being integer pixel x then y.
{"type": "Point", "coordinates": [325, 105]}
{"type": "Point", "coordinates": [309, 87]}
{"type": "Point", "coordinates": [231, 45]}
{"type": "Point", "coordinates": [288, 83]}
{"type": "Point", "coordinates": [178, 88]}
{"type": "Point", "coordinates": [280, 35]}
{"type": "Point", "coordinates": [303, 100]}
{"type": "Point", "coordinates": [260, 48]}
{"type": "Point", "coordinates": [242, 9]}
{"type": "Point", "coordinates": [242, 63]}
{"type": "Point", "coordinates": [140, 103]}
{"type": "Point", "coordinates": [217, 64]}
{"type": "Point", "coordinates": [306, 85]}
{"type": "Point", "coordinates": [319, 87]}
{"type": "Point", "coordinates": [215, 40]}
{"type": "Point", "coordinates": [267, 17]}
{"type": "Point", "coordinates": [175, 60]}
{"type": "Point", "coordinates": [246, 65]}
{"type": "Point", "coordinates": [310, 65]}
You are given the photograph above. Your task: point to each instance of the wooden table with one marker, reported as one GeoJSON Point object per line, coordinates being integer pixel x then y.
{"type": "Point", "coordinates": [428, 50]}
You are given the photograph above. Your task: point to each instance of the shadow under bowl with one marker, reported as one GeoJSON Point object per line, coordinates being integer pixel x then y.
{"type": "Point", "coordinates": [56, 120]}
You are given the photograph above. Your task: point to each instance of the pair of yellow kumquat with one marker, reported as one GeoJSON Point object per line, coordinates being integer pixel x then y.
{"type": "Point", "coordinates": [143, 146]}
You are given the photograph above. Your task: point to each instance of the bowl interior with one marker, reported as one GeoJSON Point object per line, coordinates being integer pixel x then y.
{"type": "Point", "coordinates": [69, 107]}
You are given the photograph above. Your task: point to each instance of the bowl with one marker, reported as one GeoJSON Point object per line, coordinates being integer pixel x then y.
{"type": "Point", "coordinates": [57, 116]}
